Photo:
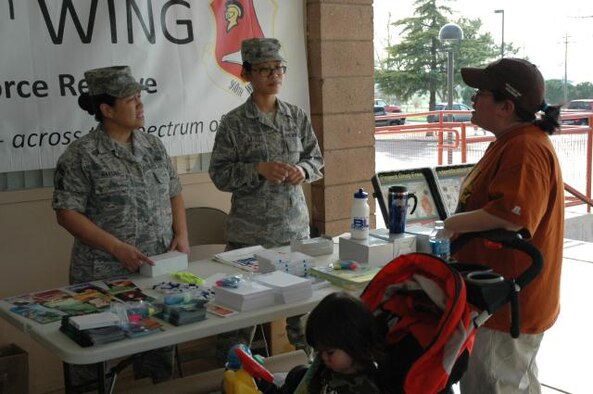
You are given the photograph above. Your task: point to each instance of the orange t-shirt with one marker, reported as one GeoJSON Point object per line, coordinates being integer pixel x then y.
{"type": "Point", "coordinates": [519, 180]}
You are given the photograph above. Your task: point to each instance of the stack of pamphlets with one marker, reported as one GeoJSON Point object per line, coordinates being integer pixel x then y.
{"type": "Point", "coordinates": [248, 296]}
{"type": "Point", "coordinates": [287, 287]}
{"type": "Point", "coordinates": [93, 336]}
{"type": "Point", "coordinates": [243, 258]}
{"type": "Point", "coordinates": [95, 320]}
{"type": "Point", "coordinates": [184, 313]}
{"type": "Point", "coordinates": [126, 290]}
{"type": "Point", "coordinates": [347, 279]}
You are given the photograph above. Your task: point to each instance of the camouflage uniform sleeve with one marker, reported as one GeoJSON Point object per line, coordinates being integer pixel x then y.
{"type": "Point", "coordinates": [228, 173]}
{"type": "Point", "coordinates": [311, 160]}
{"type": "Point", "coordinates": [71, 183]}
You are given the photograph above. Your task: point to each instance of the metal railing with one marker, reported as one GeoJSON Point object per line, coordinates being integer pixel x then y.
{"type": "Point", "coordinates": [458, 143]}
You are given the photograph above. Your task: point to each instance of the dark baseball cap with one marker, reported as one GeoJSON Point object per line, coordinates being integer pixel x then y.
{"type": "Point", "coordinates": [116, 81]}
{"type": "Point", "coordinates": [517, 79]}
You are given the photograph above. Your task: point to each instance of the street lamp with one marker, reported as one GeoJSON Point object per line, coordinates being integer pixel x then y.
{"type": "Point", "coordinates": [450, 33]}
{"type": "Point", "coordinates": [502, 43]}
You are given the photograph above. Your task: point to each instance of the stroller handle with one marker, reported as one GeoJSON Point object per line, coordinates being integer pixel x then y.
{"type": "Point", "coordinates": [511, 240]}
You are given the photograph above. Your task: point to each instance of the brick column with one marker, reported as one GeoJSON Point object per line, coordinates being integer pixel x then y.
{"type": "Point", "coordinates": [341, 85]}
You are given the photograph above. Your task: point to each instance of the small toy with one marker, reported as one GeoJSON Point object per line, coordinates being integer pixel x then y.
{"type": "Point", "coordinates": [241, 381]}
{"type": "Point", "coordinates": [188, 277]}
{"type": "Point", "coordinates": [345, 265]}
{"type": "Point", "coordinates": [229, 281]}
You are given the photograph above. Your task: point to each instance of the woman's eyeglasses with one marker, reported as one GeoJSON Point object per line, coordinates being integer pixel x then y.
{"type": "Point", "coordinates": [479, 93]}
{"type": "Point", "coordinates": [267, 71]}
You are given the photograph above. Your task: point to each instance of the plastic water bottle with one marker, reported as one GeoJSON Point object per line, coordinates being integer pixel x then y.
{"type": "Point", "coordinates": [359, 228]}
{"type": "Point", "coordinates": [440, 244]}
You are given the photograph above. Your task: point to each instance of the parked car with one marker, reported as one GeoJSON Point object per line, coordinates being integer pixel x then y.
{"type": "Point", "coordinates": [380, 111]}
{"type": "Point", "coordinates": [388, 107]}
{"type": "Point", "coordinates": [465, 117]}
{"type": "Point", "coordinates": [583, 105]}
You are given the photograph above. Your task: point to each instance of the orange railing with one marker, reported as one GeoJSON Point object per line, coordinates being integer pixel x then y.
{"type": "Point", "coordinates": [453, 143]}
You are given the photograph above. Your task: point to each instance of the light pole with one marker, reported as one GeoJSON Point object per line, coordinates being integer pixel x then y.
{"type": "Point", "coordinates": [450, 33]}
{"type": "Point", "coordinates": [502, 41]}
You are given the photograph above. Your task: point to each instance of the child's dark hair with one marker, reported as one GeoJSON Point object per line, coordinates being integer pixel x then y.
{"type": "Point", "coordinates": [341, 321]}
{"type": "Point", "coordinates": [91, 104]}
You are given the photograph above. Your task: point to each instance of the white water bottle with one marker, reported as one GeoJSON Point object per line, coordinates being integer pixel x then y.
{"type": "Point", "coordinates": [440, 244]}
{"type": "Point", "coordinates": [359, 228]}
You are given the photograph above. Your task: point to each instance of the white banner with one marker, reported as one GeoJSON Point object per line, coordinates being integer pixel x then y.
{"type": "Point", "coordinates": [186, 51]}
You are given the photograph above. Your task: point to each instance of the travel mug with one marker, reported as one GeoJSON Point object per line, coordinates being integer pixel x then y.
{"type": "Point", "coordinates": [398, 197]}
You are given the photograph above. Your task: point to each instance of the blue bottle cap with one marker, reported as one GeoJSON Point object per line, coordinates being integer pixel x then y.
{"type": "Point", "coordinates": [361, 193]}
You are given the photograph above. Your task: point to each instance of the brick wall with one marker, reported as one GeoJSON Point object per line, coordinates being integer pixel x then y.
{"type": "Point", "coordinates": [340, 61]}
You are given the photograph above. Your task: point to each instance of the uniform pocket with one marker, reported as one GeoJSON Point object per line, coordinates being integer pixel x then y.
{"type": "Point", "coordinates": [294, 145]}
{"type": "Point", "coordinates": [111, 185]}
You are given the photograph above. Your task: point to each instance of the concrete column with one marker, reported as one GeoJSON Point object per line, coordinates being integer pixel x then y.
{"type": "Point", "coordinates": [341, 84]}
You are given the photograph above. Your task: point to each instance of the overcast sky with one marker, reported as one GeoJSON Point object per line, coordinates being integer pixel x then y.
{"type": "Point", "coordinates": [537, 28]}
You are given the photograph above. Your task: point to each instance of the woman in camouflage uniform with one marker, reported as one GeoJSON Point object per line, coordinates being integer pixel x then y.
{"type": "Point", "coordinates": [264, 151]}
{"type": "Point", "coordinates": [118, 194]}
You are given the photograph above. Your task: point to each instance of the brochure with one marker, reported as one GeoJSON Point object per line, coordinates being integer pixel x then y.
{"type": "Point", "coordinates": [243, 258]}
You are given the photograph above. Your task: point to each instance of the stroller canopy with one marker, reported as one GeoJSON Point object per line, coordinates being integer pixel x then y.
{"type": "Point", "coordinates": [421, 302]}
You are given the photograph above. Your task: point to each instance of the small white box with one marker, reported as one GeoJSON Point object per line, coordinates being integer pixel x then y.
{"type": "Point", "coordinates": [301, 264]}
{"type": "Point", "coordinates": [402, 243]}
{"type": "Point", "coordinates": [375, 252]}
{"type": "Point", "coordinates": [164, 264]}
{"type": "Point", "coordinates": [271, 260]}
{"type": "Point", "coordinates": [313, 246]}
{"type": "Point", "coordinates": [422, 234]}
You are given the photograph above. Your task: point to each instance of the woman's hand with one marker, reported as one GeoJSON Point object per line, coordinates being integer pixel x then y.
{"type": "Point", "coordinates": [130, 257]}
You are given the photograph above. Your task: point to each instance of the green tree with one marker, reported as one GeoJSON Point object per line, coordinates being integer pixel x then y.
{"type": "Point", "coordinates": [555, 91]}
{"type": "Point", "coordinates": [583, 90]}
{"type": "Point", "coordinates": [418, 64]}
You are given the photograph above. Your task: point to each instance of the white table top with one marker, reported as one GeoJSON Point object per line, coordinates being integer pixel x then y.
{"type": "Point", "coordinates": [68, 351]}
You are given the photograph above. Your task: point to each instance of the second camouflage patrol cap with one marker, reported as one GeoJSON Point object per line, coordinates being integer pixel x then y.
{"type": "Point", "coordinates": [116, 81]}
{"type": "Point", "coordinates": [260, 50]}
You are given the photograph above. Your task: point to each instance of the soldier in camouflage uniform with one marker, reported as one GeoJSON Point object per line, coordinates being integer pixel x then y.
{"type": "Point", "coordinates": [264, 150]}
{"type": "Point", "coordinates": [118, 194]}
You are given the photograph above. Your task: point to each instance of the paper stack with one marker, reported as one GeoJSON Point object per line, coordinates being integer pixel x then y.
{"type": "Point", "coordinates": [243, 258]}
{"type": "Point", "coordinates": [247, 297]}
{"type": "Point", "coordinates": [95, 320]}
{"type": "Point", "coordinates": [271, 260]}
{"type": "Point", "coordinates": [287, 288]}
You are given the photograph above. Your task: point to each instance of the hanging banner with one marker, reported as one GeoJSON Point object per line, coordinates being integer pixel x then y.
{"type": "Point", "coordinates": [187, 53]}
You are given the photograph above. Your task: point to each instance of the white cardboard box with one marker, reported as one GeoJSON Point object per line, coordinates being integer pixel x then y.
{"type": "Point", "coordinates": [402, 243]}
{"type": "Point", "coordinates": [164, 264]}
{"type": "Point", "coordinates": [375, 252]}
{"type": "Point", "coordinates": [422, 234]}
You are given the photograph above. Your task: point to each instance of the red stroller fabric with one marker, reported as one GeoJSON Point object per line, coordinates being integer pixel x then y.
{"type": "Point", "coordinates": [422, 301]}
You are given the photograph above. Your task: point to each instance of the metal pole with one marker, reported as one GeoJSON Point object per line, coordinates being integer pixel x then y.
{"type": "Point", "coordinates": [450, 101]}
{"type": "Point", "coordinates": [502, 33]}
{"type": "Point", "coordinates": [502, 44]}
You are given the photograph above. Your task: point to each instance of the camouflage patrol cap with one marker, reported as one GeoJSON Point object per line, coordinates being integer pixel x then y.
{"type": "Point", "coordinates": [260, 50]}
{"type": "Point", "coordinates": [116, 81]}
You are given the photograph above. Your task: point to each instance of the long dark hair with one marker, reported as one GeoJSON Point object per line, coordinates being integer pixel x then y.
{"type": "Point", "coordinates": [91, 104]}
{"type": "Point", "coordinates": [341, 321]}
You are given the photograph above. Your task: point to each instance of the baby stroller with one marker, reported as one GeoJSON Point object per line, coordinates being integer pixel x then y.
{"type": "Point", "coordinates": [430, 310]}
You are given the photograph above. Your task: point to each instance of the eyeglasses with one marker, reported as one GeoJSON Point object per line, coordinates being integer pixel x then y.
{"type": "Point", "coordinates": [267, 71]}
